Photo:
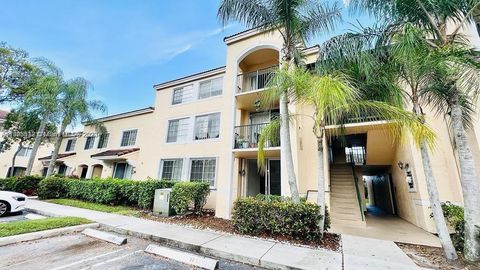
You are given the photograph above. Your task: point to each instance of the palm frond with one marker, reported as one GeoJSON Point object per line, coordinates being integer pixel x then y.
{"type": "Point", "coordinates": [271, 133]}
{"type": "Point", "coordinates": [251, 13]}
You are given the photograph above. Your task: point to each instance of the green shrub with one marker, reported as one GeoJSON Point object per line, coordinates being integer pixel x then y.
{"type": "Point", "coordinates": [185, 194]}
{"type": "Point", "coordinates": [276, 216]}
{"type": "Point", "coordinates": [455, 217]}
{"type": "Point", "coordinates": [146, 191]}
{"type": "Point", "coordinates": [53, 187]}
{"type": "Point", "coordinates": [27, 185]}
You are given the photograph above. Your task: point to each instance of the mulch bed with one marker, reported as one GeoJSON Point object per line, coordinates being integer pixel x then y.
{"type": "Point", "coordinates": [432, 257]}
{"type": "Point", "coordinates": [208, 221]}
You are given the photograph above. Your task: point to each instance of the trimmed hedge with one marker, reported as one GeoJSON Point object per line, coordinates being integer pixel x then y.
{"type": "Point", "coordinates": [185, 194]}
{"type": "Point", "coordinates": [455, 217]}
{"type": "Point", "coordinates": [27, 185]}
{"type": "Point", "coordinates": [106, 191]}
{"type": "Point", "coordinates": [277, 216]}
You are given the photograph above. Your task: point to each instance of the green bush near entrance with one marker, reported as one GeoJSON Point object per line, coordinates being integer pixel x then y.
{"type": "Point", "coordinates": [277, 216]}
{"type": "Point", "coordinates": [105, 191]}
{"type": "Point", "coordinates": [185, 194]}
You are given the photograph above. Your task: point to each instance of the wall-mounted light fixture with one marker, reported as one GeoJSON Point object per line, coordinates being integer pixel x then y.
{"type": "Point", "coordinates": [409, 177]}
{"type": "Point", "coordinates": [403, 166]}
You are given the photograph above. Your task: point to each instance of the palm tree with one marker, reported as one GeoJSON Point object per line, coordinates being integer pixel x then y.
{"type": "Point", "coordinates": [434, 16]}
{"type": "Point", "coordinates": [297, 21]}
{"type": "Point", "coordinates": [74, 106]}
{"type": "Point", "coordinates": [398, 59]}
{"type": "Point", "coordinates": [334, 100]}
{"type": "Point", "coordinates": [43, 99]}
{"type": "Point", "coordinates": [454, 97]}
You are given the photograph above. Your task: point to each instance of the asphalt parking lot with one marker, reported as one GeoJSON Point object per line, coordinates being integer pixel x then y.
{"type": "Point", "coordinates": [77, 251]}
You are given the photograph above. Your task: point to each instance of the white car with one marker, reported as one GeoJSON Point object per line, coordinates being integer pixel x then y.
{"type": "Point", "coordinates": [11, 202]}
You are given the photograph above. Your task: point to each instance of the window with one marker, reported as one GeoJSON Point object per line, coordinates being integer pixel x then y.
{"type": "Point", "coordinates": [129, 137]}
{"type": "Point", "coordinates": [182, 94]}
{"type": "Point", "coordinates": [121, 170]}
{"type": "Point", "coordinates": [172, 169]}
{"type": "Point", "coordinates": [210, 88]}
{"type": "Point", "coordinates": [70, 145]}
{"type": "Point", "coordinates": [89, 142]}
{"type": "Point", "coordinates": [203, 170]}
{"type": "Point", "coordinates": [207, 126]}
{"type": "Point", "coordinates": [62, 169]}
{"type": "Point", "coordinates": [25, 152]}
{"type": "Point", "coordinates": [103, 140]}
{"type": "Point", "coordinates": [177, 130]}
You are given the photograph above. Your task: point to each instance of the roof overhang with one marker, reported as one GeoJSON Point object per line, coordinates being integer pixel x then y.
{"type": "Point", "coordinates": [190, 78]}
{"type": "Point", "coordinates": [115, 155]}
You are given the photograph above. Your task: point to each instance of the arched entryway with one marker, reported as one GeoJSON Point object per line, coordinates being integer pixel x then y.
{"type": "Point", "coordinates": [83, 169]}
{"type": "Point", "coordinates": [97, 171]}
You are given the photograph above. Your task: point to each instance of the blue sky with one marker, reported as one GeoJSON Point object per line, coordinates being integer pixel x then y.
{"type": "Point", "coordinates": [123, 47]}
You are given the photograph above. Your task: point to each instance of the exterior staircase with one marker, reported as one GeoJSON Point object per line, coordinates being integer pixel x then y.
{"type": "Point", "coordinates": [344, 205]}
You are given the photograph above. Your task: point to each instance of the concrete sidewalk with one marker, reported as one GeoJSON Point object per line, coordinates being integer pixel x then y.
{"type": "Point", "coordinates": [264, 253]}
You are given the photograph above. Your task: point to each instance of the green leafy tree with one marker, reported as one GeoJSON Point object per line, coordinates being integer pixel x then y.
{"type": "Point", "coordinates": [20, 127]}
{"type": "Point", "coordinates": [297, 21]}
{"type": "Point", "coordinates": [16, 73]}
{"type": "Point", "coordinates": [408, 71]}
{"type": "Point", "coordinates": [43, 98]}
{"type": "Point", "coordinates": [433, 17]}
{"type": "Point", "coordinates": [73, 106]}
{"type": "Point", "coordinates": [335, 100]}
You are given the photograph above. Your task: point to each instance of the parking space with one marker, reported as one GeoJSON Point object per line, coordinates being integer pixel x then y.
{"type": "Point", "coordinates": [77, 251]}
{"type": "Point", "coordinates": [23, 215]}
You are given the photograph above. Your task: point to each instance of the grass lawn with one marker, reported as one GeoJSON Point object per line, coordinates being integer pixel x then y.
{"type": "Point", "coordinates": [27, 226]}
{"type": "Point", "coordinates": [116, 209]}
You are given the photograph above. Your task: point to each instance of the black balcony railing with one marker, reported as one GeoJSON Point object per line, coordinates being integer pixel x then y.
{"type": "Point", "coordinates": [355, 155]}
{"type": "Point", "coordinates": [255, 80]}
{"type": "Point", "coordinates": [248, 136]}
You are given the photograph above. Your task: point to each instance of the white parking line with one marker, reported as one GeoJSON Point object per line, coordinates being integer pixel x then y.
{"type": "Point", "coordinates": [86, 260]}
{"type": "Point", "coordinates": [112, 260]}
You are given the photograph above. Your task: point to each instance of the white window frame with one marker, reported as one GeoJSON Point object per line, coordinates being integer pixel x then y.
{"type": "Point", "coordinates": [187, 130]}
{"type": "Point", "coordinates": [136, 137]}
{"type": "Point", "coordinates": [74, 142]}
{"type": "Point", "coordinates": [210, 80]}
{"type": "Point", "coordinates": [190, 161]}
{"type": "Point", "coordinates": [27, 151]}
{"type": "Point", "coordinates": [182, 88]}
{"type": "Point", "coordinates": [162, 162]}
{"type": "Point", "coordinates": [107, 137]}
{"type": "Point", "coordinates": [92, 144]}
{"type": "Point", "coordinates": [207, 115]}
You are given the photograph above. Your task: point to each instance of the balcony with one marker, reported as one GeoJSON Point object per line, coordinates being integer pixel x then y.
{"type": "Point", "coordinates": [247, 137]}
{"type": "Point", "coordinates": [250, 85]}
{"type": "Point", "coordinates": [254, 80]}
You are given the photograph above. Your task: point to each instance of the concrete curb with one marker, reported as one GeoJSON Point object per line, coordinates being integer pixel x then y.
{"type": "Point", "coordinates": [44, 234]}
{"type": "Point", "coordinates": [182, 256]}
{"type": "Point", "coordinates": [108, 237]}
{"type": "Point", "coordinates": [43, 213]}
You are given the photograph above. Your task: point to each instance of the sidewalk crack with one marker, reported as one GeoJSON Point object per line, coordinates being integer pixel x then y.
{"type": "Point", "coordinates": [260, 260]}
{"type": "Point", "coordinates": [212, 239]}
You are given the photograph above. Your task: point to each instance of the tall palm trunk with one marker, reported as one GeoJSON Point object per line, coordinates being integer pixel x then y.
{"type": "Point", "coordinates": [12, 170]}
{"type": "Point", "coordinates": [286, 147]}
{"type": "Point", "coordinates": [56, 149]}
{"type": "Point", "coordinates": [438, 216]}
{"type": "Point", "coordinates": [434, 198]}
{"type": "Point", "coordinates": [469, 181]}
{"type": "Point", "coordinates": [321, 184]}
{"type": "Point", "coordinates": [36, 144]}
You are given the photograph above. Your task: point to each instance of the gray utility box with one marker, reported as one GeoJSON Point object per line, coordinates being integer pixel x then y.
{"type": "Point", "coordinates": [161, 202]}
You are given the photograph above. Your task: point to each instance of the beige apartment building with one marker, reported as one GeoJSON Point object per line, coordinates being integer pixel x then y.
{"type": "Point", "coordinates": [205, 127]}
